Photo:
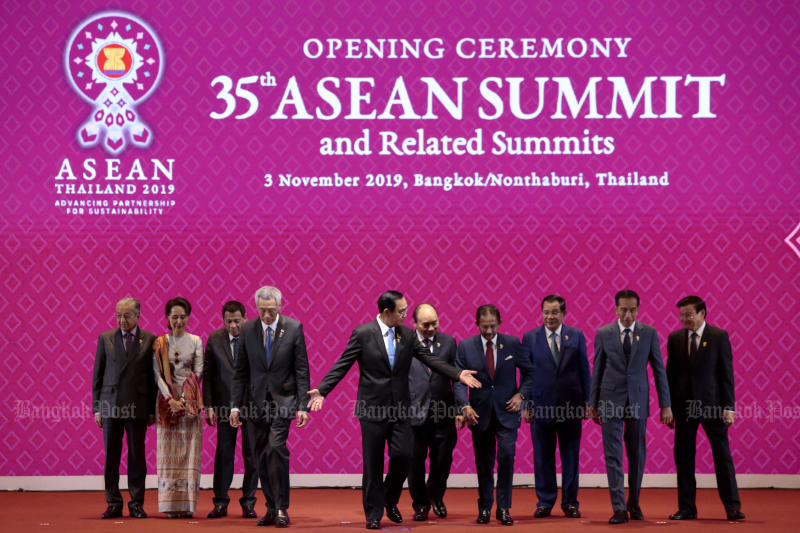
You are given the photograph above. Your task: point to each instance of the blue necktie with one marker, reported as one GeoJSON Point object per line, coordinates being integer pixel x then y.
{"type": "Point", "coordinates": [235, 346]}
{"type": "Point", "coordinates": [268, 344]}
{"type": "Point", "coordinates": [391, 348]}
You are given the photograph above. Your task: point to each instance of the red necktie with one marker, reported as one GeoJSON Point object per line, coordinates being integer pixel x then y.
{"type": "Point", "coordinates": [490, 359]}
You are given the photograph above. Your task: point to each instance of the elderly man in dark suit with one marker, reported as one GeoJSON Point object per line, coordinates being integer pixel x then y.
{"type": "Point", "coordinates": [561, 382]}
{"type": "Point", "coordinates": [272, 365]}
{"type": "Point", "coordinates": [124, 402]}
{"type": "Point", "coordinates": [383, 349]}
{"type": "Point", "coordinates": [493, 411]}
{"type": "Point", "coordinates": [433, 421]}
{"type": "Point", "coordinates": [218, 371]}
{"type": "Point", "coordinates": [620, 399]}
{"type": "Point", "coordinates": [700, 375]}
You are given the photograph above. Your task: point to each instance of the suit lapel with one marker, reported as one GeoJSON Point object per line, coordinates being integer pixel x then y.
{"type": "Point", "coordinates": [119, 350]}
{"type": "Point", "coordinates": [378, 338]}
{"type": "Point", "coordinates": [562, 349]}
{"type": "Point", "coordinates": [228, 348]}
{"type": "Point", "coordinates": [276, 338]}
{"type": "Point", "coordinates": [482, 356]}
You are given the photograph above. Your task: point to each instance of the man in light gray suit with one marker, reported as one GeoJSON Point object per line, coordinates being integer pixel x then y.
{"type": "Point", "coordinates": [620, 399]}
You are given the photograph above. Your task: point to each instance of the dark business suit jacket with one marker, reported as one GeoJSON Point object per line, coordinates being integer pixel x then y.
{"type": "Point", "coordinates": [218, 373]}
{"type": "Point", "coordinates": [124, 380]}
{"type": "Point", "coordinates": [285, 381]}
{"type": "Point", "coordinates": [707, 378]}
{"type": "Point", "coordinates": [617, 383]}
{"type": "Point", "coordinates": [569, 384]}
{"type": "Point", "coordinates": [494, 393]}
{"type": "Point", "coordinates": [425, 386]}
{"type": "Point", "coordinates": [379, 385]}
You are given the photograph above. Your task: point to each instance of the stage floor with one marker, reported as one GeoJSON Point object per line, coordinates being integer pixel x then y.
{"type": "Point", "coordinates": [341, 510]}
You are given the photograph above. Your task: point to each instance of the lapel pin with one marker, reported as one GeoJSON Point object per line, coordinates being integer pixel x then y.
{"type": "Point", "coordinates": [637, 338]}
{"type": "Point", "coordinates": [705, 343]}
{"type": "Point", "coordinates": [438, 344]}
{"type": "Point", "coordinates": [566, 337]}
{"type": "Point", "coordinates": [501, 346]}
{"type": "Point", "coordinates": [281, 333]}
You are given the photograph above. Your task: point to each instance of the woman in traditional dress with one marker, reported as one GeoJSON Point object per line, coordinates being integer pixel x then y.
{"type": "Point", "coordinates": [178, 364]}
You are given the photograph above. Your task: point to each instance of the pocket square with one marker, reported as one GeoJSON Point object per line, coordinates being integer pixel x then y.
{"type": "Point", "coordinates": [509, 357]}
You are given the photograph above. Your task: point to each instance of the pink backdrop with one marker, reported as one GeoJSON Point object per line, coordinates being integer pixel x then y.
{"type": "Point", "coordinates": [721, 229]}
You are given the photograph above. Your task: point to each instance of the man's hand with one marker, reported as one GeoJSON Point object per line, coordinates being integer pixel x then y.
{"type": "Point", "coordinates": [666, 416]}
{"type": "Point", "coordinates": [467, 378]}
{"type": "Point", "coordinates": [316, 401]}
{"type": "Point", "coordinates": [302, 418]}
{"type": "Point", "coordinates": [728, 418]}
{"type": "Point", "coordinates": [98, 420]}
{"type": "Point", "coordinates": [211, 416]}
{"type": "Point", "coordinates": [594, 415]}
{"type": "Point", "coordinates": [151, 419]}
{"type": "Point", "coordinates": [470, 415]}
{"type": "Point", "coordinates": [514, 403]}
{"type": "Point", "coordinates": [460, 422]}
{"type": "Point", "coordinates": [527, 415]}
{"type": "Point", "coordinates": [234, 419]}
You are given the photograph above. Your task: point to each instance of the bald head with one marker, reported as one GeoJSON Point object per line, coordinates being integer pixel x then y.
{"type": "Point", "coordinates": [426, 320]}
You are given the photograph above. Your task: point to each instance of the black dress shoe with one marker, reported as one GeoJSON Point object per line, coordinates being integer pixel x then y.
{"type": "Point", "coordinates": [735, 515]}
{"type": "Point", "coordinates": [282, 518]}
{"type": "Point", "coordinates": [619, 517]}
{"type": "Point", "coordinates": [504, 517]}
{"type": "Point", "coordinates": [541, 512]}
{"type": "Point", "coordinates": [373, 524]}
{"type": "Point", "coordinates": [112, 511]}
{"type": "Point", "coordinates": [683, 514]}
{"type": "Point", "coordinates": [636, 513]}
{"type": "Point", "coordinates": [268, 519]}
{"type": "Point", "coordinates": [439, 509]}
{"type": "Point", "coordinates": [421, 515]}
{"type": "Point", "coordinates": [393, 514]}
{"type": "Point", "coordinates": [136, 511]}
{"type": "Point", "coordinates": [218, 511]}
{"type": "Point", "coordinates": [483, 517]}
{"type": "Point", "coordinates": [249, 512]}
{"type": "Point", "coordinates": [571, 511]}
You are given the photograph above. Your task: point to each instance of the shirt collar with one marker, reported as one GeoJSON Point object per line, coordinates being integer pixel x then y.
{"type": "Point", "coordinates": [557, 331]}
{"type": "Point", "coordinates": [384, 327]}
{"type": "Point", "coordinates": [422, 339]}
{"type": "Point", "coordinates": [133, 332]}
{"type": "Point", "coordinates": [622, 328]}
{"type": "Point", "coordinates": [273, 326]}
{"type": "Point", "coordinates": [484, 341]}
{"type": "Point", "coordinates": [699, 330]}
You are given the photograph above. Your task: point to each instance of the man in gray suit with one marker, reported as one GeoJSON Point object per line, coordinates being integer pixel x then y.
{"type": "Point", "coordinates": [272, 364]}
{"type": "Point", "coordinates": [124, 401]}
{"type": "Point", "coordinates": [433, 421]}
{"type": "Point", "coordinates": [218, 371]}
{"type": "Point", "coordinates": [620, 399]}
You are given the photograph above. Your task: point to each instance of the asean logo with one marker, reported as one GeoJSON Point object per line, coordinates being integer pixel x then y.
{"type": "Point", "coordinates": [114, 61]}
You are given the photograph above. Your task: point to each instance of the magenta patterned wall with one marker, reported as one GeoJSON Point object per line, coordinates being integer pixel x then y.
{"type": "Point", "coordinates": [725, 226]}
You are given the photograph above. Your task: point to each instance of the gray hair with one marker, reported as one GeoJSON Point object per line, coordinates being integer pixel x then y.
{"type": "Point", "coordinates": [137, 307]}
{"type": "Point", "coordinates": [267, 292]}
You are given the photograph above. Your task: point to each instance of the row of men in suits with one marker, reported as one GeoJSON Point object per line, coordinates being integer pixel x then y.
{"type": "Point", "coordinates": [266, 365]}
